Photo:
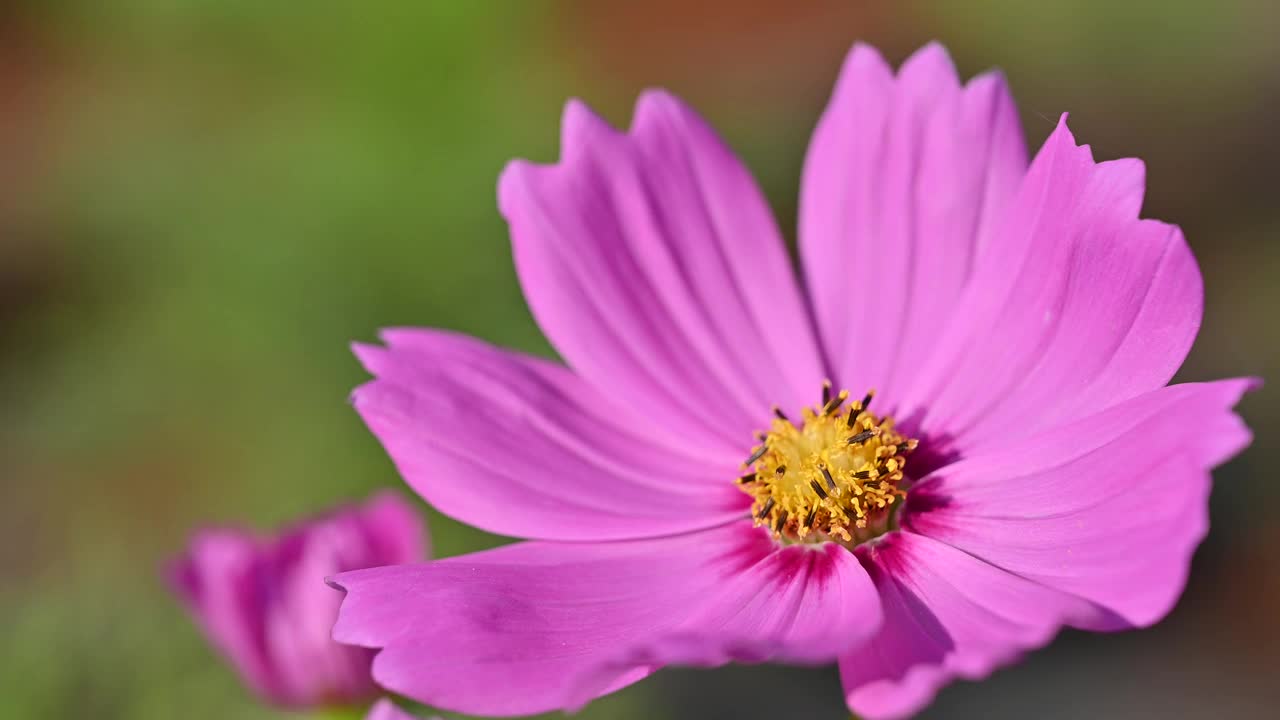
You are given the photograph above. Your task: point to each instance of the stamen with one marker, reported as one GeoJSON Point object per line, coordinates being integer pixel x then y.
{"type": "Point", "coordinates": [835, 402]}
{"type": "Point", "coordinates": [863, 436]}
{"type": "Point", "coordinates": [831, 482]}
{"type": "Point", "coordinates": [834, 477]}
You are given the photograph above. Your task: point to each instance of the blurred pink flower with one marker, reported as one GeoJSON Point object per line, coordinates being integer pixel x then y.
{"type": "Point", "coordinates": [1020, 321]}
{"type": "Point", "coordinates": [386, 710]}
{"type": "Point", "coordinates": [264, 604]}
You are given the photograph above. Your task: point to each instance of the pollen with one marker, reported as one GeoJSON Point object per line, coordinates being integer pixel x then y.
{"type": "Point", "coordinates": [836, 475]}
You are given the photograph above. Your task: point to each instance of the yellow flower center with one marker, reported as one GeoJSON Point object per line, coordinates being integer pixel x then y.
{"type": "Point", "coordinates": [835, 476]}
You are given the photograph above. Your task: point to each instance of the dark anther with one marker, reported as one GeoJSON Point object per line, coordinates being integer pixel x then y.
{"type": "Point", "coordinates": [866, 399]}
{"type": "Point", "coordinates": [831, 482]}
{"type": "Point", "coordinates": [764, 511]}
{"type": "Point", "coordinates": [759, 453]}
{"type": "Point", "coordinates": [780, 522]}
{"type": "Point", "coordinates": [777, 411]}
{"type": "Point", "coordinates": [818, 489]}
{"type": "Point", "coordinates": [834, 403]}
{"type": "Point", "coordinates": [863, 475]}
{"type": "Point", "coordinates": [903, 447]}
{"type": "Point", "coordinates": [749, 477]}
{"type": "Point", "coordinates": [808, 519]}
{"type": "Point", "coordinates": [782, 470]}
{"type": "Point", "coordinates": [826, 392]}
{"type": "Point", "coordinates": [863, 436]}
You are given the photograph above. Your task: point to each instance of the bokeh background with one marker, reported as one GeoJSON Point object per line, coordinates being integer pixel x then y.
{"type": "Point", "coordinates": [203, 201]}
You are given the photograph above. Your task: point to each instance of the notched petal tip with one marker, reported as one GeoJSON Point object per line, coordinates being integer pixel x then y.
{"type": "Point", "coordinates": [1062, 138]}
{"type": "Point", "coordinates": [356, 397]}
{"type": "Point", "coordinates": [863, 57]}
{"type": "Point", "coordinates": [930, 57]}
{"type": "Point", "coordinates": [575, 115]}
{"type": "Point", "coordinates": [656, 99]}
{"type": "Point", "coordinates": [1062, 127]}
{"type": "Point", "coordinates": [371, 357]}
{"type": "Point", "coordinates": [934, 46]}
{"type": "Point", "coordinates": [1135, 168]}
{"type": "Point", "coordinates": [511, 186]}
{"type": "Point", "coordinates": [349, 628]}
{"type": "Point", "coordinates": [657, 108]}
{"type": "Point", "coordinates": [1233, 435]}
{"type": "Point", "coordinates": [992, 85]}
{"type": "Point", "coordinates": [864, 68]}
{"type": "Point", "coordinates": [662, 122]}
{"type": "Point", "coordinates": [401, 334]}
{"type": "Point", "coordinates": [581, 127]}
{"type": "Point", "coordinates": [582, 131]}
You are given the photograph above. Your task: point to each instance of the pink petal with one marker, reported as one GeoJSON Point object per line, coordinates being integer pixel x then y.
{"type": "Point", "coordinates": [1109, 508]}
{"type": "Point", "coordinates": [947, 615]}
{"type": "Point", "coordinates": [1078, 306]}
{"type": "Point", "coordinates": [521, 446]}
{"type": "Point", "coordinates": [652, 263]}
{"type": "Point", "coordinates": [904, 183]}
{"type": "Point", "coordinates": [217, 579]}
{"type": "Point", "coordinates": [540, 626]}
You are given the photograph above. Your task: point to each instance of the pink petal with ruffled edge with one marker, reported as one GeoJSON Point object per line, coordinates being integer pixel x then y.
{"type": "Point", "coordinates": [523, 447]}
{"type": "Point", "coordinates": [653, 264]}
{"type": "Point", "coordinates": [1091, 524]}
{"type": "Point", "coordinates": [1083, 306]}
{"type": "Point", "coordinates": [1109, 508]}
{"type": "Point", "coordinates": [558, 623]}
{"type": "Point", "coordinates": [904, 184]}
{"type": "Point", "coordinates": [946, 615]}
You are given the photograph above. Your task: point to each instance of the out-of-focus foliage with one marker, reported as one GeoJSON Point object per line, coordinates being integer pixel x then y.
{"type": "Point", "coordinates": [203, 202]}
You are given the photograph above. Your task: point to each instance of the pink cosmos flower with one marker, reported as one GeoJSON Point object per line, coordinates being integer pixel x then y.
{"type": "Point", "coordinates": [1019, 321]}
{"type": "Point", "coordinates": [386, 710]}
{"type": "Point", "coordinates": [263, 602]}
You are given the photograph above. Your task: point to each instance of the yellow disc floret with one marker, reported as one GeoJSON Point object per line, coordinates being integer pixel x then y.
{"type": "Point", "coordinates": [834, 476]}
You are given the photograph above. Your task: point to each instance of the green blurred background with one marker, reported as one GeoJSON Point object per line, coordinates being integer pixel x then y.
{"type": "Point", "coordinates": [203, 201]}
